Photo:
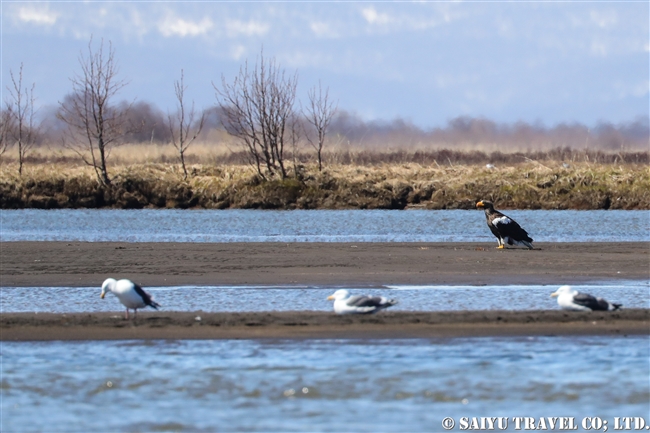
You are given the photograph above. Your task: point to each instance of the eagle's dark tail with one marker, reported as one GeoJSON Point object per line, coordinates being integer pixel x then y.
{"type": "Point", "coordinates": [528, 244]}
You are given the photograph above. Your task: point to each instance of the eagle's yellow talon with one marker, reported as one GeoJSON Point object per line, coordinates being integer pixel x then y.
{"type": "Point", "coordinates": [500, 247]}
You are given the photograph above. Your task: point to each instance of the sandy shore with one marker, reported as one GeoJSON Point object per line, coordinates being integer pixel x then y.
{"type": "Point", "coordinates": [359, 264]}
{"type": "Point", "coordinates": [303, 324]}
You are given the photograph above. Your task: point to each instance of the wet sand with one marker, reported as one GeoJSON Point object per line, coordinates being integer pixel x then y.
{"type": "Point", "coordinates": [304, 324]}
{"type": "Point", "coordinates": [70, 264]}
{"type": "Point", "coordinates": [73, 264]}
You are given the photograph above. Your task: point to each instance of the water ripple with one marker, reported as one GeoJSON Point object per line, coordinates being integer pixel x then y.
{"type": "Point", "coordinates": [317, 385]}
{"type": "Point", "coordinates": [172, 225]}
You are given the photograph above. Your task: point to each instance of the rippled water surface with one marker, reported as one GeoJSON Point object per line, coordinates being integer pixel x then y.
{"type": "Point", "coordinates": [317, 385]}
{"type": "Point", "coordinates": [632, 294]}
{"type": "Point", "coordinates": [314, 226]}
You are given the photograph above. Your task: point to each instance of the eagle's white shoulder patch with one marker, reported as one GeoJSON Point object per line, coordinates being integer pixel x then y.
{"type": "Point", "coordinates": [501, 220]}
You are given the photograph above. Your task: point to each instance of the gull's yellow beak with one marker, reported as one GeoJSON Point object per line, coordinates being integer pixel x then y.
{"type": "Point", "coordinates": [480, 204]}
{"type": "Point", "coordinates": [554, 295]}
{"type": "Point", "coordinates": [330, 298]}
{"type": "Point", "coordinates": [102, 295]}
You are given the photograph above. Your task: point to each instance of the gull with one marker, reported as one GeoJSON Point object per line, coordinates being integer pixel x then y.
{"type": "Point", "coordinates": [130, 294]}
{"type": "Point", "coordinates": [570, 299]}
{"type": "Point", "coordinates": [358, 304]}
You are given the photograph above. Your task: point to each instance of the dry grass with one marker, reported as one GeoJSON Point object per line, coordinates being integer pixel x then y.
{"type": "Point", "coordinates": [225, 150]}
{"type": "Point", "coordinates": [527, 185]}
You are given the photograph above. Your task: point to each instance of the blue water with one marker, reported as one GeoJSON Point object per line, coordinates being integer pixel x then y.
{"type": "Point", "coordinates": [318, 385]}
{"type": "Point", "coordinates": [632, 294]}
{"type": "Point", "coordinates": [314, 226]}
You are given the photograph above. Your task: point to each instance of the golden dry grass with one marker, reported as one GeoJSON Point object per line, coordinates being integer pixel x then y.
{"type": "Point", "coordinates": [531, 184]}
{"type": "Point", "coordinates": [225, 150]}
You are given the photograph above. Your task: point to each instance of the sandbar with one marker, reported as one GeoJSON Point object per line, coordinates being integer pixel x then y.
{"type": "Point", "coordinates": [319, 325]}
{"type": "Point", "coordinates": [78, 264]}
{"type": "Point", "coordinates": [82, 264]}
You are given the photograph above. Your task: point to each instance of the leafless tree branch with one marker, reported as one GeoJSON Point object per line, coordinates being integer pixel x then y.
{"type": "Point", "coordinates": [21, 126]}
{"type": "Point", "coordinates": [184, 126]}
{"type": "Point", "coordinates": [319, 113]}
{"type": "Point", "coordinates": [95, 126]}
{"type": "Point", "coordinates": [258, 106]}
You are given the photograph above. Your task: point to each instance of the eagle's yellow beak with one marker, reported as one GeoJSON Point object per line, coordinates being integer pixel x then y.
{"type": "Point", "coordinates": [554, 295]}
{"type": "Point", "coordinates": [479, 204]}
{"type": "Point", "coordinates": [330, 298]}
{"type": "Point", "coordinates": [102, 295]}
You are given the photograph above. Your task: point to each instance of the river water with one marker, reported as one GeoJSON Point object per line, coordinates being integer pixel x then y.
{"type": "Point", "coordinates": [632, 294]}
{"type": "Point", "coordinates": [318, 385]}
{"type": "Point", "coordinates": [405, 385]}
{"type": "Point", "coordinates": [151, 225]}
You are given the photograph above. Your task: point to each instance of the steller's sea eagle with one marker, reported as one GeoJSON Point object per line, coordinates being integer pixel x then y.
{"type": "Point", "coordinates": [358, 304]}
{"type": "Point", "coordinates": [570, 299]}
{"type": "Point", "coordinates": [504, 228]}
{"type": "Point", "coordinates": [130, 294]}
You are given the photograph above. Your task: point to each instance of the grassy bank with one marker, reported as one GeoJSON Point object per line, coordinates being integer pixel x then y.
{"type": "Point", "coordinates": [528, 185]}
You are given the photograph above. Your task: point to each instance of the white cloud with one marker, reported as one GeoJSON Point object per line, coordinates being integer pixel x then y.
{"type": "Point", "coordinates": [420, 18]}
{"type": "Point", "coordinates": [323, 30]}
{"type": "Point", "coordinates": [236, 28]}
{"type": "Point", "coordinates": [371, 15]}
{"type": "Point", "coordinates": [175, 26]}
{"type": "Point", "coordinates": [36, 16]}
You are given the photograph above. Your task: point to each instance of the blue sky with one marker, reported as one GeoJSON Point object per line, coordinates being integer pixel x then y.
{"type": "Point", "coordinates": [426, 62]}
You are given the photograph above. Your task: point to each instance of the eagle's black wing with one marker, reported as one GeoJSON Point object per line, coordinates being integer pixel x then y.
{"type": "Point", "coordinates": [506, 226]}
{"type": "Point", "coordinates": [146, 297]}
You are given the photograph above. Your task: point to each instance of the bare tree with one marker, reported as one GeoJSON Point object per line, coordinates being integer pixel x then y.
{"type": "Point", "coordinates": [295, 134]}
{"type": "Point", "coordinates": [319, 114]}
{"type": "Point", "coordinates": [21, 125]}
{"type": "Point", "coordinates": [6, 128]}
{"type": "Point", "coordinates": [95, 126]}
{"type": "Point", "coordinates": [183, 126]}
{"type": "Point", "coordinates": [257, 109]}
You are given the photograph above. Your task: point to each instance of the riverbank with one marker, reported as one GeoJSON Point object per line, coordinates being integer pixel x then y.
{"type": "Point", "coordinates": [302, 324]}
{"type": "Point", "coordinates": [525, 185]}
{"type": "Point", "coordinates": [82, 264]}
